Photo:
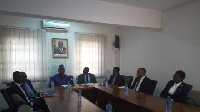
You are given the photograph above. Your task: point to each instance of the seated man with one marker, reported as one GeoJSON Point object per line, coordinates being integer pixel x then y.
{"type": "Point", "coordinates": [116, 78]}
{"type": "Point", "coordinates": [28, 86]}
{"type": "Point", "coordinates": [176, 88]}
{"type": "Point", "coordinates": [18, 88]}
{"type": "Point", "coordinates": [142, 83]}
{"type": "Point", "coordinates": [61, 78]}
{"type": "Point", "coordinates": [86, 77]}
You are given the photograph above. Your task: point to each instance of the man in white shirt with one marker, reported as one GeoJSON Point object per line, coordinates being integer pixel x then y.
{"type": "Point", "coordinates": [176, 88]}
{"type": "Point", "coordinates": [142, 83]}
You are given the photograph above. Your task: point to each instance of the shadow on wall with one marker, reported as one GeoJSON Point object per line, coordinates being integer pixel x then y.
{"type": "Point", "coordinates": [53, 71]}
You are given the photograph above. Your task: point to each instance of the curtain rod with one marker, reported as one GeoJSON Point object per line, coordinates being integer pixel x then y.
{"type": "Point", "coordinates": [6, 26]}
{"type": "Point", "coordinates": [90, 33]}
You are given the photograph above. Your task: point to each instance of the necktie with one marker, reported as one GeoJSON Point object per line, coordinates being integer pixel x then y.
{"type": "Point", "coordinates": [87, 81]}
{"type": "Point", "coordinates": [137, 84]}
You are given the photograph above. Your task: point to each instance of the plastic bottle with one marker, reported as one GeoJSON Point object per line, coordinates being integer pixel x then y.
{"type": "Point", "coordinates": [68, 87]}
{"type": "Point", "coordinates": [109, 107]}
{"type": "Point", "coordinates": [52, 85]}
{"type": "Point", "coordinates": [168, 104]}
{"type": "Point", "coordinates": [79, 94]}
{"type": "Point", "coordinates": [126, 90]}
{"type": "Point", "coordinates": [106, 84]}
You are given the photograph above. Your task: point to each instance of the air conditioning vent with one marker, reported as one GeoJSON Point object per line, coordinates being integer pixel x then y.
{"type": "Point", "coordinates": [56, 24]}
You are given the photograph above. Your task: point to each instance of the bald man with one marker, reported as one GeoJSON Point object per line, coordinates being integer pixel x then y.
{"type": "Point", "coordinates": [142, 83]}
{"type": "Point", "coordinates": [60, 49]}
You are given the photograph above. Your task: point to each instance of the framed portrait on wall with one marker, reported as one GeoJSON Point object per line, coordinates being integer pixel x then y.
{"type": "Point", "coordinates": [60, 48]}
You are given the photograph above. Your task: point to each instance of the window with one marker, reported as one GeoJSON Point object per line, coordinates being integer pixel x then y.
{"type": "Point", "coordinates": [90, 52]}
{"type": "Point", "coordinates": [23, 50]}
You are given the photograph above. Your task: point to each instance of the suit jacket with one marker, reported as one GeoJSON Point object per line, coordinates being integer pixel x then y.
{"type": "Point", "coordinates": [119, 80]}
{"type": "Point", "coordinates": [57, 50]}
{"type": "Point", "coordinates": [145, 86]}
{"type": "Point", "coordinates": [81, 78]}
{"type": "Point", "coordinates": [15, 89]}
{"type": "Point", "coordinates": [180, 94]}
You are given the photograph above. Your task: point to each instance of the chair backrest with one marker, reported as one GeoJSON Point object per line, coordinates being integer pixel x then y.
{"type": "Point", "coordinates": [153, 86]}
{"type": "Point", "coordinates": [128, 80]}
{"type": "Point", "coordinates": [189, 87]}
{"type": "Point", "coordinates": [191, 102]}
{"type": "Point", "coordinates": [195, 95]}
{"type": "Point", "coordinates": [7, 97]}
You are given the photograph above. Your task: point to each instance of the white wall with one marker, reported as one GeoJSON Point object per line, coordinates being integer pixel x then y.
{"type": "Point", "coordinates": [86, 10]}
{"type": "Point", "coordinates": [69, 62]}
{"type": "Point", "coordinates": [162, 53]}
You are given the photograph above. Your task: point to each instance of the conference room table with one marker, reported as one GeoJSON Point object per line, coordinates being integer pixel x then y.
{"type": "Point", "coordinates": [96, 97]}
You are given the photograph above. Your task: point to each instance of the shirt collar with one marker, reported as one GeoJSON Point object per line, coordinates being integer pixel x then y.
{"type": "Point", "coordinates": [178, 84]}
{"type": "Point", "coordinates": [142, 78]}
{"type": "Point", "coordinates": [17, 84]}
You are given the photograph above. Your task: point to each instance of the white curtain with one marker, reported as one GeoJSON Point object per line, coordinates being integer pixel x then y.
{"type": "Point", "coordinates": [90, 52]}
{"type": "Point", "coordinates": [23, 50]}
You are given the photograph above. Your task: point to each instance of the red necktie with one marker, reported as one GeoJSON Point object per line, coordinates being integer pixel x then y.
{"type": "Point", "coordinates": [137, 83]}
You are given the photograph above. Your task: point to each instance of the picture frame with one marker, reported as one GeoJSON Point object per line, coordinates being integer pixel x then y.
{"type": "Point", "coordinates": [60, 48]}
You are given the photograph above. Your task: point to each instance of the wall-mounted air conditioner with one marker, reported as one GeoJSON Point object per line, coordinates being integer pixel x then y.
{"type": "Point", "coordinates": [56, 24]}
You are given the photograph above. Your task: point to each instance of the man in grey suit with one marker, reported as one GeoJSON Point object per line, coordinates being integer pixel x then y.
{"type": "Point", "coordinates": [86, 77]}
{"type": "Point", "coordinates": [60, 49]}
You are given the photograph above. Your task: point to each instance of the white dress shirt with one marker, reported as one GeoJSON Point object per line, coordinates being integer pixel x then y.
{"type": "Point", "coordinates": [138, 86]}
{"type": "Point", "coordinates": [173, 88]}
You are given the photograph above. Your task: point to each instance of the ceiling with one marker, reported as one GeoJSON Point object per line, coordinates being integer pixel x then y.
{"type": "Point", "coordinates": [150, 4]}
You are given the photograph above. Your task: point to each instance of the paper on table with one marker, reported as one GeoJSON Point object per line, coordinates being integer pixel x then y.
{"type": "Point", "coordinates": [64, 85]}
{"type": "Point", "coordinates": [121, 87]}
{"type": "Point", "coordinates": [89, 84]}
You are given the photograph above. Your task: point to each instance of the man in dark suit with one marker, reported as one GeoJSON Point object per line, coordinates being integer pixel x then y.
{"type": "Point", "coordinates": [18, 88]}
{"type": "Point", "coordinates": [60, 49]}
{"type": "Point", "coordinates": [142, 83]}
{"type": "Point", "coordinates": [116, 78]}
{"type": "Point", "coordinates": [32, 93]}
{"type": "Point", "coordinates": [86, 77]}
{"type": "Point", "coordinates": [176, 88]}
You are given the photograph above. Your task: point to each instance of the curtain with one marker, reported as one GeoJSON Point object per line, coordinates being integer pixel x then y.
{"type": "Point", "coordinates": [90, 52]}
{"type": "Point", "coordinates": [23, 50]}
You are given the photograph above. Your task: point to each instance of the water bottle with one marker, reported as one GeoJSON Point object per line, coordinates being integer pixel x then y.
{"type": "Point", "coordinates": [68, 87]}
{"type": "Point", "coordinates": [168, 104]}
{"type": "Point", "coordinates": [79, 94]}
{"type": "Point", "coordinates": [109, 107]}
{"type": "Point", "coordinates": [126, 90]}
{"type": "Point", "coordinates": [106, 84]}
{"type": "Point", "coordinates": [52, 85]}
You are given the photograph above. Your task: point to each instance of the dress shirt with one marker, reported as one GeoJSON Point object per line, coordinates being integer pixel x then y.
{"type": "Point", "coordinates": [30, 92]}
{"type": "Point", "coordinates": [173, 88]}
{"type": "Point", "coordinates": [87, 79]}
{"type": "Point", "coordinates": [114, 79]}
{"type": "Point", "coordinates": [138, 86]}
